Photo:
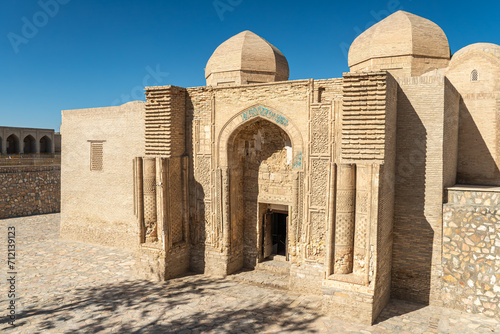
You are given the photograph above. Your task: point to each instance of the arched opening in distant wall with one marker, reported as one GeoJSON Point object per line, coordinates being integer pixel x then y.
{"type": "Point", "coordinates": [29, 144]}
{"type": "Point", "coordinates": [12, 144]}
{"type": "Point", "coordinates": [1, 145]}
{"type": "Point", "coordinates": [45, 145]}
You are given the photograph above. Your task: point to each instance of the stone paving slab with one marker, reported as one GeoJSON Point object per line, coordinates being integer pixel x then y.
{"type": "Point", "coordinates": [259, 277]}
{"type": "Point", "coordinates": [70, 287]}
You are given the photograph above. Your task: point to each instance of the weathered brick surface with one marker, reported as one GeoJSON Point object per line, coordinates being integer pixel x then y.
{"type": "Point", "coordinates": [28, 191]}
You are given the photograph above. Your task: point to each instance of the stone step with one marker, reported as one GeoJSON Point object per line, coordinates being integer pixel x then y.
{"type": "Point", "coordinates": [263, 278]}
{"type": "Point", "coordinates": [274, 266]}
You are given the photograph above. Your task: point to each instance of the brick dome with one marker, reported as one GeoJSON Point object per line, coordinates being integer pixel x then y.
{"type": "Point", "coordinates": [487, 48]}
{"type": "Point", "coordinates": [400, 34]}
{"type": "Point", "coordinates": [246, 58]}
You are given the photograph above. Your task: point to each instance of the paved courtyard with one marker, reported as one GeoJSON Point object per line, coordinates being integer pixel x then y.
{"type": "Point", "coordinates": [70, 287]}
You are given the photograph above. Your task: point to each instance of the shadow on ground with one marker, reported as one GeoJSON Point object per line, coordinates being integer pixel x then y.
{"type": "Point", "coordinates": [145, 307]}
{"type": "Point", "coordinates": [397, 308]}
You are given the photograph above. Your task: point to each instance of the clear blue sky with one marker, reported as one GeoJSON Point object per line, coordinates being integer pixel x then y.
{"type": "Point", "coordinates": [93, 53]}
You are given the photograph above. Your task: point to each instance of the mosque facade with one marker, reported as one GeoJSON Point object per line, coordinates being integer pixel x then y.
{"type": "Point", "coordinates": [381, 184]}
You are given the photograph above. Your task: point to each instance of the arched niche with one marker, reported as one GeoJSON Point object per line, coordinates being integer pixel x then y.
{"type": "Point", "coordinates": [45, 145]}
{"type": "Point", "coordinates": [29, 143]}
{"type": "Point", "coordinates": [12, 146]}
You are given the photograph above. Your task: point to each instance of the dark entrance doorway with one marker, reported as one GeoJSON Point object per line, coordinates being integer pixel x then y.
{"type": "Point", "coordinates": [275, 234]}
{"type": "Point", "coordinates": [12, 144]}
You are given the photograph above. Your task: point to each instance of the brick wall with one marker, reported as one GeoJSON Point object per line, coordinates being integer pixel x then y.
{"type": "Point", "coordinates": [478, 145]}
{"type": "Point", "coordinates": [29, 190]}
{"type": "Point", "coordinates": [423, 143]}
{"type": "Point", "coordinates": [97, 206]}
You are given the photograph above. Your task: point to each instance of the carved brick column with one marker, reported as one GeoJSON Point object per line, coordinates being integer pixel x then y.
{"type": "Point", "coordinates": [226, 207]}
{"type": "Point", "coordinates": [363, 212]}
{"type": "Point", "coordinates": [344, 222]}
{"type": "Point", "coordinates": [164, 251]}
{"type": "Point", "coordinates": [366, 146]}
{"type": "Point", "coordinates": [294, 222]}
{"type": "Point", "coordinates": [149, 193]}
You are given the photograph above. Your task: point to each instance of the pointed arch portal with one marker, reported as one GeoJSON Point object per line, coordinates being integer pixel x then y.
{"type": "Point", "coordinates": [260, 152]}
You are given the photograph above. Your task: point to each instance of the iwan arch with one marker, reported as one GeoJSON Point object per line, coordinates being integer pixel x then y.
{"type": "Point", "coordinates": [356, 185]}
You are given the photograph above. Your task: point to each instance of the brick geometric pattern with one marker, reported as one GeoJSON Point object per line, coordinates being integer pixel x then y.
{"type": "Point", "coordinates": [149, 190]}
{"type": "Point", "coordinates": [362, 204]}
{"type": "Point", "coordinates": [319, 130]}
{"type": "Point", "coordinates": [361, 229]}
{"type": "Point", "coordinates": [344, 220]}
{"type": "Point", "coordinates": [149, 185]}
{"type": "Point", "coordinates": [165, 121]}
{"type": "Point", "coordinates": [176, 199]}
{"type": "Point", "coordinates": [300, 209]}
{"type": "Point", "coordinates": [363, 117]}
{"type": "Point", "coordinates": [344, 230]}
{"type": "Point", "coordinates": [319, 182]}
{"type": "Point", "coordinates": [203, 174]}
{"type": "Point", "coordinates": [345, 203]}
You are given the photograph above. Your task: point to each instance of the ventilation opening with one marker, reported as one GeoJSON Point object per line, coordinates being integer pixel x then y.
{"type": "Point", "coordinates": [474, 76]}
{"type": "Point", "coordinates": [96, 156]}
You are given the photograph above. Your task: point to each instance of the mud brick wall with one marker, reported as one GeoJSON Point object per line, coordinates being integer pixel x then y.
{"type": "Point", "coordinates": [97, 206]}
{"type": "Point", "coordinates": [471, 251]}
{"type": "Point", "coordinates": [427, 124]}
{"type": "Point", "coordinates": [28, 191]}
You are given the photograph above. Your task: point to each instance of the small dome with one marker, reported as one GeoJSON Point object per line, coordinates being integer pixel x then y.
{"type": "Point", "coordinates": [400, 34]}
{"type": "Point", "coordinates": [488, 48]}
{"type": "Point", "coordinates": [246, 58]}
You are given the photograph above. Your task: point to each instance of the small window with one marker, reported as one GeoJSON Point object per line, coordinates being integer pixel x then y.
{"type": "Point", "coordinates": [474, 76]}
{"type": "Point", "coordinates": [96, 155]}
{"type": "Point", "coordinates": [321, 90]}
